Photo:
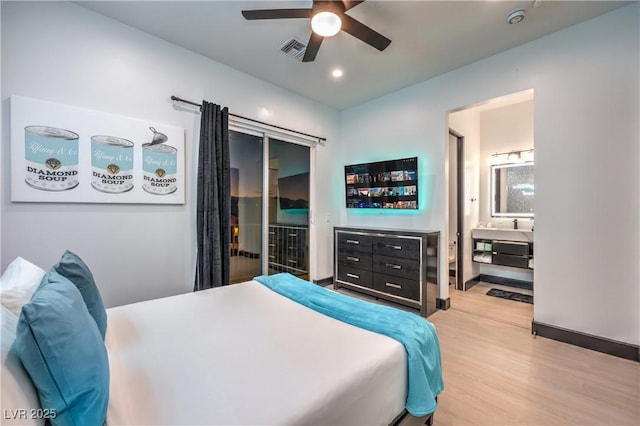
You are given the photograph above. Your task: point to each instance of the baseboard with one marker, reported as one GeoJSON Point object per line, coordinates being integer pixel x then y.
{"type": "Point", "coordinates": [324, 281]}
{"type": "Point", "coordinates": [576, 338]}
{"type": "Point", "coordinates": [527, 285]}
{"type": "Point", "coordinates": [443, 304]}
{"type": "Point", "coordinates": [470, 283]}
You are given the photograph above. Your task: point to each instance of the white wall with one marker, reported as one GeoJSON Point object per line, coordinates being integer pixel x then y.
{"type": "Point", "coordinates": [586, 84]}
{"type": "Point", "coordinates": [504, 129]}
{"type": "Point", "coordinates": [64, 53]}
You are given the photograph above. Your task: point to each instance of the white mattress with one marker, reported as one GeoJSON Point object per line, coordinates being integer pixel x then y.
{"type": "Point", "coordinates": [243, 354]}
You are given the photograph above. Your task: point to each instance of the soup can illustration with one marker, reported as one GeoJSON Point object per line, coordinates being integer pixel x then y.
{"type": "Point", "coordinates": [159, 166]}
{"type": "Point", "coordinates": [111, 164]}
{"type": "Point", "coordinates": [51, 157]}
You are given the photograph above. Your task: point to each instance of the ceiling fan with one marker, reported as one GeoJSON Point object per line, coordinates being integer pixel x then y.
{"type": "Point", "coordinates": [327, 19]}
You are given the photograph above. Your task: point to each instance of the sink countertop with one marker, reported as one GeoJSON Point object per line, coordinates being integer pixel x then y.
{"type": "Point", "coordinates": [525, 235]}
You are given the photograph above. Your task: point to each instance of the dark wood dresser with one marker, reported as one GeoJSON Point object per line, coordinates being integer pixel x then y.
{"type": "Point", "coordinates": [398, 266]}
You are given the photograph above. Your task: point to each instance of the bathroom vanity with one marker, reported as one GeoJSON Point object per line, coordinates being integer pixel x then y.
{"type": "Point", "coordinates": [503, 247]}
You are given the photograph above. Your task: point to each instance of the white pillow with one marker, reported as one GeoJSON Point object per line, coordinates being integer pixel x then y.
{"type": "Point", "coordinates": [18, 398]}
{"type": "Point", "coordinates": [18, 283]}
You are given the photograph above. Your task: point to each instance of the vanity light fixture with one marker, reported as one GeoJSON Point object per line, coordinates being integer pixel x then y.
{"type": "Point", "coordinates": [512, 156]}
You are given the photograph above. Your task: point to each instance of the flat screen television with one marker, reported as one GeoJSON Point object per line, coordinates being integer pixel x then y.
{"type": "Point", "coordinates": [293, 192]}
{"type": "Point", "coordinates": [391, 184]}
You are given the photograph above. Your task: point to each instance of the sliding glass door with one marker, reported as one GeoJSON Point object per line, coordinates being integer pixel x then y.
{"type": "Point", "coordinates": [246, 158]}
{"type": "Point", "coordinates": [270, 196]}
{"type": "Point", "coordinates": [288, 208]}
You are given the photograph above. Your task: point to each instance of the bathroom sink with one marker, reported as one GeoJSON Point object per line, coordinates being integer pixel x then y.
{"type": "Point", "coordinates": [508, 234]}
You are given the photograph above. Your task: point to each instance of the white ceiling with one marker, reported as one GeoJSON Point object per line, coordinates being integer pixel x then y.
{"type": "Point", "coordinates": [428, 38]}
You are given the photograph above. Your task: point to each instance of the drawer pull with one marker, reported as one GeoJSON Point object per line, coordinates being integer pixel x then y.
{"type": "Point", "coordinates": [271, 257]}
{"type": "Point", "coordinates": [293, 235]}
{"type": "Point", "coordinates": [292, 248]}
{"type": "Point", "coordinates": [391, 246]}
{"type": "Point", "coordinates": [353, 276]}
{"type": "Point", "coordinates": [399, 287]}
{"type": "Point", "coordinates": [271, 233]}
{"type": "Point", "coordinates": [353, 242]}
{"type": "Point", "coordinates": [272, 245]}
{"type": "Point", "coordinates": [392, 266]}
{"type": "Point", "coordinates": [292, 261]}
{"type": "Point", "coordinates": [353, 259]}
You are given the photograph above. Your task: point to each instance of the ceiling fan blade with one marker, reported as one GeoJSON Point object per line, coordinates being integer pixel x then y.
{"type": "Point", "coordinates": [364, 33]}
{"type": "Point", "coordinates": [312, 47]}
{"type": "Point", "coordinates": [349, 4]}
{"type": "Point", "coordinates": [276, 13]}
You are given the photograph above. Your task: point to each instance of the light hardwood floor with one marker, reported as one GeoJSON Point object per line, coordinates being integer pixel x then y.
{"type": "Point", "coordinates": [497, 373]}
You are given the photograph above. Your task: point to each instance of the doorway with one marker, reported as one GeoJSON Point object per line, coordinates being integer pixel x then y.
{"type": "Point", "coordinates": [456, 217]}
{"type": "Point", "coordinates": [495, 132]}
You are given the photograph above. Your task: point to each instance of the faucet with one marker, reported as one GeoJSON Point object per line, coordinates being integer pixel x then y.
{"type": "Point", "coordinates": [515, 223]}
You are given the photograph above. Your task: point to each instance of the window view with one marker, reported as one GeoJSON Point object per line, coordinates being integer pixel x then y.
{"type": "Point", "coordinates": [246, 205]}
{"type": "Point", "coordinates": [288, 208]}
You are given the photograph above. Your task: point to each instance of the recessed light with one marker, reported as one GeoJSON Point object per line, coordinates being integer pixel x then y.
{"type": "Point", "coordinates": [337, 73]}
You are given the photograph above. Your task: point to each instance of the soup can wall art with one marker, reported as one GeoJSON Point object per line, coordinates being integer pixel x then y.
{"type": "Point", "coordinates": [67, 154]}
{"type": "Point", "coordinates": [51, 157]}
{"type": "Point", "coordinates": [111, 164]}
{"type": "Point", "coordinates": [159, 165]}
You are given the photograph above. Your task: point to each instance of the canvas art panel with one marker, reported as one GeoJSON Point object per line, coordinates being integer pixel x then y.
{"type": "Point", "coordinates": [62, 153]}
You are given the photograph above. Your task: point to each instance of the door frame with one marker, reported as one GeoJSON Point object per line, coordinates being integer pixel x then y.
{"type": "Point", "coordinates": [460, 284]}
{"type": "Point", "coordinates": [265, 132]}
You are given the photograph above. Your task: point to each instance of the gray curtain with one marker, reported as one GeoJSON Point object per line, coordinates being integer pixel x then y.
{"type": "Point", "coordinates": [214, 199]}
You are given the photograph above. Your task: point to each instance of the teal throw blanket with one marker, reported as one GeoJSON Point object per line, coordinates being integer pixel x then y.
{"type": "Point", "coordinates": [416, 333]}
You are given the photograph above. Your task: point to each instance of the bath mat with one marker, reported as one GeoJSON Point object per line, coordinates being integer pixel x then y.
{"type": "Point", "coordinates": [504, 294]}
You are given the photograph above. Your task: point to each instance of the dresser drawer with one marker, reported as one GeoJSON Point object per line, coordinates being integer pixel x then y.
{"type": "Point", "coordinates": [397, 286]}
{"type": "Point", "coordinates": [399, 247]}
{"type": "Point", "coordinates": [354, 242]}
{"type": "Point", "coordinates": [355, 276]}
{"type": "Point", "coordinates": [396, 266]}
{"type": "Point", "coordinates": [354, 259]}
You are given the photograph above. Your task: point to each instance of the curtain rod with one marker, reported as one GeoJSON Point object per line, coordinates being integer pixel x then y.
{"type": "Point", "coordinates": [177, 99]}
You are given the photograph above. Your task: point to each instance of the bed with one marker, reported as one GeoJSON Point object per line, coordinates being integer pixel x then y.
{"type": "Point", "coordinates": [250, 354]}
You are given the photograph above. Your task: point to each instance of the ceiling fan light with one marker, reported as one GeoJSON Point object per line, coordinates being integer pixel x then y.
{"type": "Point", "coordinates": [326, 24]}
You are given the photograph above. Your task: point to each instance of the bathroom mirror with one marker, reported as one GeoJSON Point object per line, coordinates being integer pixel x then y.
{"type": "Point", "coordinates": [512, 190]}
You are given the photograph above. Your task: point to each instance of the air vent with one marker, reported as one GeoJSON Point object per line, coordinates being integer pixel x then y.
{"type": "Point", "coordinates": [294, 48]}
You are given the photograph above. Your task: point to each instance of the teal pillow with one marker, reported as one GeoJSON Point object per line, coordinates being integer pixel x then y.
{"type": "Point", "coordinates": [61, 348]}
{"type": "Point", "coordinates": [75, 270]}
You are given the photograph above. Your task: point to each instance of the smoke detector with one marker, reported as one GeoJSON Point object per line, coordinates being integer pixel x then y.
{"type": "Point", "coordinates": [516, 16]}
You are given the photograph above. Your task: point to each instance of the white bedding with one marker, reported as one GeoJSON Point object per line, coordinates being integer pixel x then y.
{"type": "Point", "coordinates": [243, 354]}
